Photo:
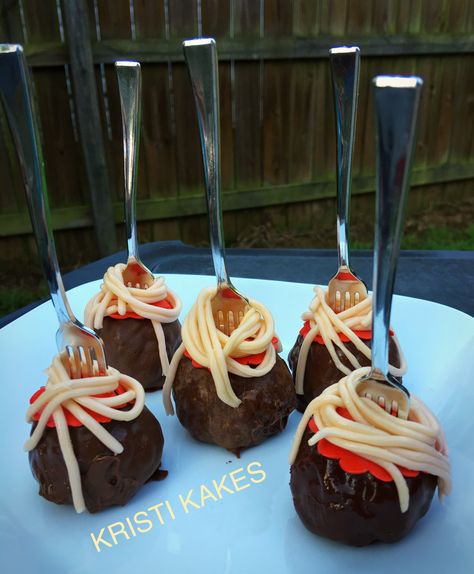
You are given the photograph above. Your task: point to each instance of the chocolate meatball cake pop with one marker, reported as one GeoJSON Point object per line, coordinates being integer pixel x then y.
{"type": "Point", "coordinates": [233, 391]}
{"type": "Point", "coordinates": [360, 474]}
{"type": "Point", "coordinates": [93, 442]}
{"type": "Point", "coordinates": [139, 327]}
{"type": "Point", "coordinates": [331, 345]}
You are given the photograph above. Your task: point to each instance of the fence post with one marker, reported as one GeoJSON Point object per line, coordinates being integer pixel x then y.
{"type": "Point", "coordinates": [90, 129]}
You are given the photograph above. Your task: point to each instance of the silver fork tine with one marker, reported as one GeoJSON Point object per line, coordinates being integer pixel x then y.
{"type": "Point", "coordinates": [101, 363]}
{"type": "Point", "coordinates": [88, 364]}
{"type": "Point", "coordinates": [74, 362]}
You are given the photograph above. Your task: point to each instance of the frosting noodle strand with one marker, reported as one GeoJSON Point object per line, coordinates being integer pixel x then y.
{"type": "Point", "coordinates": [62, 392]}
{"type": "Point", "coordinates": [417, 443]}
{"type": "Point", "coordinates": [325, 322]}
{"type": "Point", "coordinates": [214, 350]}
{"type": "Point", "coordinates": [115, 297]}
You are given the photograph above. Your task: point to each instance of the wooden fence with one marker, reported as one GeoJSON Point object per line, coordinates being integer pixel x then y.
{"type": "Point", "coordinates": [277, 125]}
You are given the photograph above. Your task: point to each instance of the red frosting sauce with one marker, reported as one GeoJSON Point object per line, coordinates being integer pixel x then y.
{"type": "Point", "coordinates": [71, 420]}
{"type": "Point", "coordinates": [254, 360]}
{"type": "Point", "coordinates": [164, 303]}
{"type": "Point", "coordinates": [364, 335]}
{"type": "Point", "coordinates": [351, 462]}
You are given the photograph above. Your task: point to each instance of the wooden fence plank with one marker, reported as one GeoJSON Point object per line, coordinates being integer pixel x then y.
{"type": "Point", "coordinates": [114, 19]}
{"type": "Point", "coordinates": [166, 208]}
{"type": "Point", "coordinates": [62, 153]}
{"type": "Point", "coordinates": [149, 19]}
{"type": "Point", "coordinates": [226, 126]}
{"type": "Point", "coordinates": [290, 48]}
{"type": "Point", "coordinates": [13, 28]}
{"type": "Point", "coordinates": [13, 198]}
{"type": "Point", "coordinates": [358, 18]}
{"type": "Point", "coordinates": [384, 18]}
{"type": "Point", "coordinates": [216, 24]}
{"type": "Point", "coordinates": [165, 229]}
{"type": "Point", "coordinates": [247, 96]}
{"type": "Point", "coordinates": [435, 17]}
{"type": "Point", "coordinates": [158, 133]}
{"type": "Point", "coordinates": [425, 70]}
{"type": "Point", "coordinates": [88, 116]}
{"type": "Point", "coordinates": [302, 119]}
{"type": "Point", "coordinates": [278, 18]}
{"type": "Point", "coordinates": [276, 113]}
{"type": "Point", "coordinates": [458, 12]}
{"type": "Point", "coordinates": [322, 107]}
{"type": "Point", "coordinates": [183, 19]}
{"type": "Point", "coordinates": [42, 21]}
{"type": "Point", "coordinates": [463, 112]}
{"type": "Point", "coordinates": [306, 16]}
{"type": "Point", "coordinates": [337, 17]}
{"type": "Point", "coordinates": [327, 120]}
{"type": "Point", "coordinates": [216, 18]}
{"type": "Point", "coordinates": [188, 152]}
{"type": "Point", "coordinates": [248, 134]}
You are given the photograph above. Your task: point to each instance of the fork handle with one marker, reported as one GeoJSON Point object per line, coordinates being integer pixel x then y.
{"type": "Point", "coordinates": [345, 66]}
{"type": "Point", "coordinates": [130, 87]}
{"type": "Point", "coordinates": [396, 109]}
{"type": "Point", "coordinates": [18, 104]}
{"type": "Point", "coordinates": [201, 59]}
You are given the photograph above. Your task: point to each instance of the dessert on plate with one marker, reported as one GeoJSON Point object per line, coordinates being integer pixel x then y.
{"type": "Point", "coordinates": [336, 337]}
{"type": "Point", "coordinates": [360, 474]}
{"type": "Point", "coordinates": [233, 391]}
{"type": "Point", "coordinates": [134, 313]}
{"type": "Point", "coordinates": [331, 345]}
{"type": "Point", "coordinates": [93, 442]}
{"type": "Point", "coordinates": [139, 327]}
{"type": "Point", "coordinates": [367, 458]}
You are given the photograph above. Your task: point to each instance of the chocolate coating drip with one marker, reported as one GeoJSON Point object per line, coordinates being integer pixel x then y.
{"type": "Point", "coordinates": [266, 403]}
{"type": "Point", "coordinates": [107, 479]}
{"type": "Point", "coordinates": [321, 372]}
{"type": "Point", "coordinates": [132, 348]}
{"type": "Point", "coordinates": [355, 509]}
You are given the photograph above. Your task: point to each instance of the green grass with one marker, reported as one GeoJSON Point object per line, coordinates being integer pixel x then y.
{"type": "Point", "coordinates": [12, 298]}
{"type": "Point", "coordinates": [433, 237]}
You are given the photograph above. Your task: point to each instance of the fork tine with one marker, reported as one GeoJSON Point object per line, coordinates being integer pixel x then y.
{"type": "Point", "coordinates": [230, 322]}
{"type": "Point", "coordinates": [101, 362]}
{"type": "Point", "coordinates": [88, 364]}
{"type": "Point", "coordinates": [220, 320]}
{"type": "Point", "coordinates": [74, 361]}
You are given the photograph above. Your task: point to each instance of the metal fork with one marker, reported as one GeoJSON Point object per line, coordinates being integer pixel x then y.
{"type": "Point", "coordinates": [345, 289]}
{"type": "Point", "coordinates": [80, 348]}
{"type": "Point", "coordinates": [228, 305]}
{"type": "Point", "coordinates": [396, 109]}
{"type": "Point", "coordinates": [135, 274]}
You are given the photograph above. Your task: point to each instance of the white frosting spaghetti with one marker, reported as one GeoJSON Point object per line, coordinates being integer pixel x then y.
{"type": "Point", "coordinates": [115, 297]}
{"type": "Point", "coordinates": [212, 349]}
{"type": "Point", "coordinates": [328, 324]}
{"type": "Point", "coordinates": [417, 443]}
{"type": "Point", "coordinates": [63, 393]}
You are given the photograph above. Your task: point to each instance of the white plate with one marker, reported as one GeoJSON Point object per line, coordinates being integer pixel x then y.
{"type": "Point", "coordinates": [256, 528]}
